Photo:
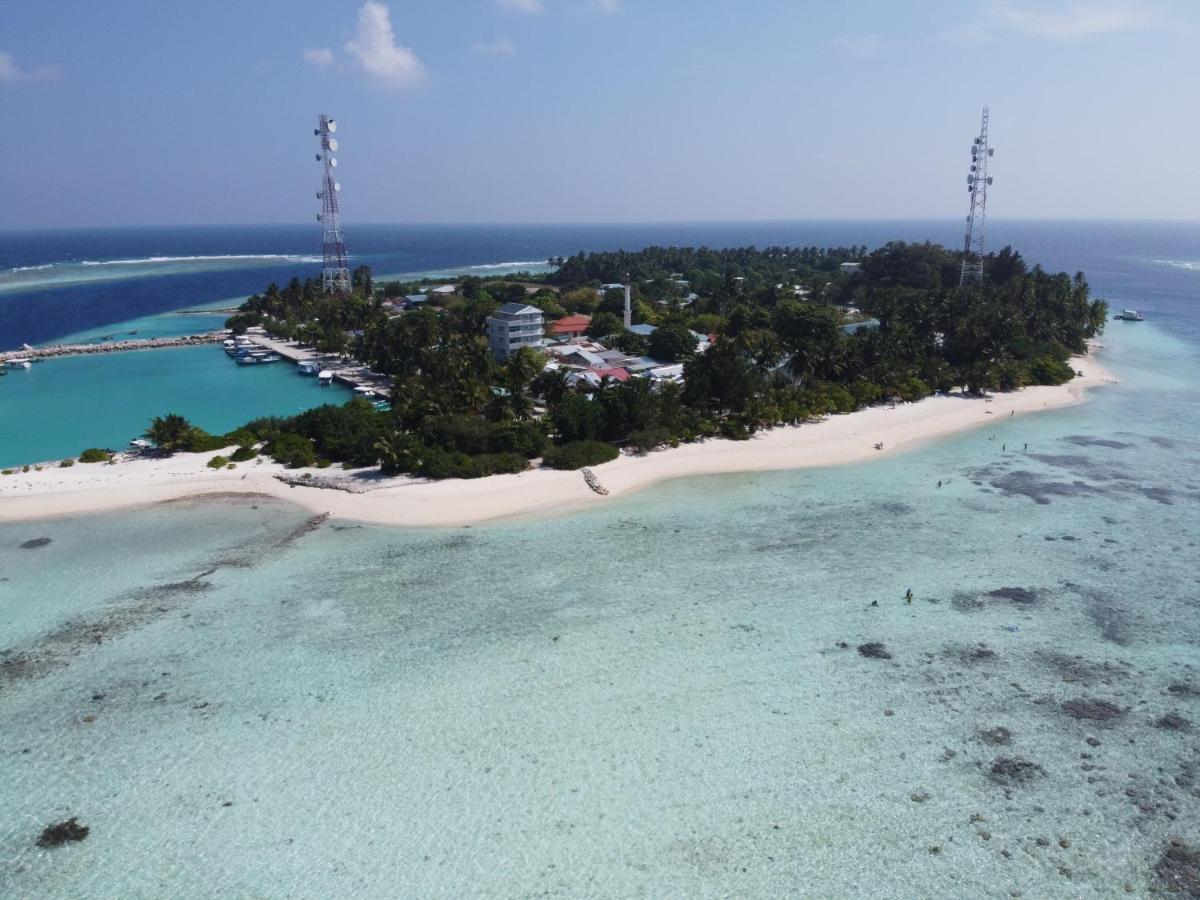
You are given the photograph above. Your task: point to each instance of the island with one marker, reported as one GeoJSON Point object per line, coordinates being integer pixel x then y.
{"type": "Point", "coordinates": [631, 366]}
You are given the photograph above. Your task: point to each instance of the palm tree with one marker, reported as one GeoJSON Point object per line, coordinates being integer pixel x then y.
{"type": "Point", "coordinates": [169, 433]}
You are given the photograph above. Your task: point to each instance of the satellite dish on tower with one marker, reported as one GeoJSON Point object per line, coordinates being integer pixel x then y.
{"type": "Point", "coordinates": [336, 186]}
{"type": "Point", "coordinates": [332, 126]}
{"type": "Point", "coordinates": [333, 162]}
{"type": "Point", "coordinates": [333, 143]}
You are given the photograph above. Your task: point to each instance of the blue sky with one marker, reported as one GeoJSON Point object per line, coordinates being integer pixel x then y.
{"type": "Point", "coordinates": [595, 110]}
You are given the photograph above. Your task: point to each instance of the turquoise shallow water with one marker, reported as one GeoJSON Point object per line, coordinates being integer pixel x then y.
{"type": "Point", "coordinates": [60, 407]}
{"type": "Point", "coordinates": [658, 697]}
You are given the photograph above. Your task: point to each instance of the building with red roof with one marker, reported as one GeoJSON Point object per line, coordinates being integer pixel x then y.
{"type": "Point", "coordinates": [571, 326]}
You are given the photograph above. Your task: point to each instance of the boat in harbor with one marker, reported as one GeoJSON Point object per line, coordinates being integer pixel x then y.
{"type": "Point", "coordinates": [1129, 315]}
{"type": "Point", "coordinates": [18, 364]}
{"type": "Point", "coordinates": [325, 376]}
{"type": "Point", "coordinates": [308, 367]}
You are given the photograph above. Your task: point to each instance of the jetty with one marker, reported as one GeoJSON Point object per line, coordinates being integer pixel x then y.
{"type": "Point", "coordinates": [345, 371]}
{"type": "Point", "coordinates": [57, 350]}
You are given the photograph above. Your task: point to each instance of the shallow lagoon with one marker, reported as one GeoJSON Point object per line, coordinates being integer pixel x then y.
{"type": "Point", "coordinates": [647, 699]}
{"type": "Point", "coordinates": [59, 407]}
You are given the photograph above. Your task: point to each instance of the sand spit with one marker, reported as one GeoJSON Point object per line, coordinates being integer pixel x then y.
{"type": "Point", "coordinates": [403, 501]}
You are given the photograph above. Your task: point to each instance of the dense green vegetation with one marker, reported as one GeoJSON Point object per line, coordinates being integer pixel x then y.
{"type": "Point", "coordinates": [94, 455]}
{"type": "Point", "coordinates": [578, 454]}
{"type": "Point", "coordinates": [782, 354]}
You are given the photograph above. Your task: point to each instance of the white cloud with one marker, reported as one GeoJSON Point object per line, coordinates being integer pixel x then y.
{"type": "Point", "coordinates": [860, 45]}
{"type": "Point", "coordinates": [522, 6]}
{"type": "Point", "coordinates": [498, 47]}
{"type": "Point", "coordinates": [374, 46]}
{"type": "Point", "coordinates": [1067, 22]}
{"type": "Point", "coordinates": [11, 72]}
{"type": "Point", "coordinates": [319, 58]}
{"type": "Point", "coordinates": [606, 6]}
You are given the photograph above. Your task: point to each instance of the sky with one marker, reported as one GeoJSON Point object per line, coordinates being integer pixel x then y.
{"type": "Point", "coordinates": [153, 113]}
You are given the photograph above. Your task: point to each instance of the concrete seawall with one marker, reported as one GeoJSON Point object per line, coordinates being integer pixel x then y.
{"type": "Point", "coordinates": [58, 350]}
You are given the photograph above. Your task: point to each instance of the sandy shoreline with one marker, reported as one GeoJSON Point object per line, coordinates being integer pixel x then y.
{"type": "Point", "coordinates": [83, 488]}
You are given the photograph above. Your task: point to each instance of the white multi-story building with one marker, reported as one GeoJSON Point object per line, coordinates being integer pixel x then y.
{"type": "Point", "coordinates": [513, 326]}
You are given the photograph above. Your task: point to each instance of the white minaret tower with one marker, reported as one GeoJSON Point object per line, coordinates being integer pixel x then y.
{"type": "Point", "coordinates": [628, 305]}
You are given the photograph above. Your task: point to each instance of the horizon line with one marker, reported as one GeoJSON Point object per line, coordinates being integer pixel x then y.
{"type": "Point", "coordinates": [604, 223]}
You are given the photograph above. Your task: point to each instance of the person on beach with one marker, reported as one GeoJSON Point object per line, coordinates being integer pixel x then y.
{"type": "Point", "coordinates": [908, 595]}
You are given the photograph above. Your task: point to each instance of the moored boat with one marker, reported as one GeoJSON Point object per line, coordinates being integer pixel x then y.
{"type": "Point", "coordinates": [325, 376]}
{"type": "Point", "coordinates": [1130, 315]}
{"type": "Point", "coordinates": [308, 367]}
{"type": "Point", "coordinates": [18, 364]}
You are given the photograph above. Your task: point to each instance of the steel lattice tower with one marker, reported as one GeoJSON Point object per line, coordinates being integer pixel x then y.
{"type": "Point", "coordinates": [977, 184]}
{"type": "Point", "coordinates": [334, 274]}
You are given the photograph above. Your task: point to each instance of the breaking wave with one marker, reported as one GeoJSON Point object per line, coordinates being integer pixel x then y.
{"type": "Point", "coordinates": [1190, 265]}
{"type": "Point", "coordinates": [151, 260]}
{"type": "Point", "coordinates": [510, 265]}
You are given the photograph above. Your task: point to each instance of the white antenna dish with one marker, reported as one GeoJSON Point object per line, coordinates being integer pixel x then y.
{"type": "Point", "coordinates": [333, 143]}
{"type": "Point", "coordinates": [333, 162]}
{"type": "Point", "coordinates": [332, 126]}
{"type": "Point", "coordinates": [336, 186]}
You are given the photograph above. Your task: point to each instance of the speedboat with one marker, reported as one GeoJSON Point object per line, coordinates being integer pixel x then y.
{"type": "Point", "coordinates": [325, 376]}
{"type": "Point", "coordinates": [1130, 315]}
{"type": "Point", "coordinates": [308, 367]}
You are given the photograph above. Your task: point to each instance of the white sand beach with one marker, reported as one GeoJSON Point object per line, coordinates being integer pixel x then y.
{"type": "Point", "coordinates": [402, 501]}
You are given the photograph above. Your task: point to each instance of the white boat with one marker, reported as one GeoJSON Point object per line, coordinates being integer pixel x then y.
{"type": "Point", "coordinates": [1130, 315]}
{"type": "Point", "coordinates": [19, 364]}
{"type": "Point", "coordinates": [270, 358]}
{"type": "Point", "coordinates": [325, 376]}
{"type": "Point", "coordinates": [308, 367]}
{"type": "Point", "coordinates": [364, 391]}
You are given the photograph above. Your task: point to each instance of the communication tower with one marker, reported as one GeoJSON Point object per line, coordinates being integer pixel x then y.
{"type": "Point", "coordinates": [335, 276]}
{"type": "Point", "coordinates": [978, 181]}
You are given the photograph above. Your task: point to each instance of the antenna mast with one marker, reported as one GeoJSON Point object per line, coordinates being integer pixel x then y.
{"type": "Point", "coordinates": [977, 184]}
{"type": "Point", "coordinates": [335, 276]}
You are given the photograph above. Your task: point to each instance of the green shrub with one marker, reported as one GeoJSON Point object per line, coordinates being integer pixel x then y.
{"type": "Point", "coordinates": [66, 464]}
{"type": "Point", "coordinates": [200, 441]}
{"type": "Point", "coordinates": [94, 455]}
{"type": "Point", "coordinates": [323, 463]}
{"type": "Point", "coordinates": [650, 438]}
{"type": "Point", "coordinates": [578, 454]}
{"type": "Point", "coordinates": [438, 463]}
{"type": "Point", "coordinates": [218, 462]}
{"type": "Point", "coordinates": [293, 450]}
{"type": "Point", "coordinates": [1048, 370]}
{"type": "Point", "coordinates": [244, 454]}
{"type": "Point", "coordinates": [243, 437]}
{"type": "Point", "coordinates": [6, 472]}
{"type": "Point", "coordinates": [26, 469]}
{"type": "Point", "coordinates": [865, 392]}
